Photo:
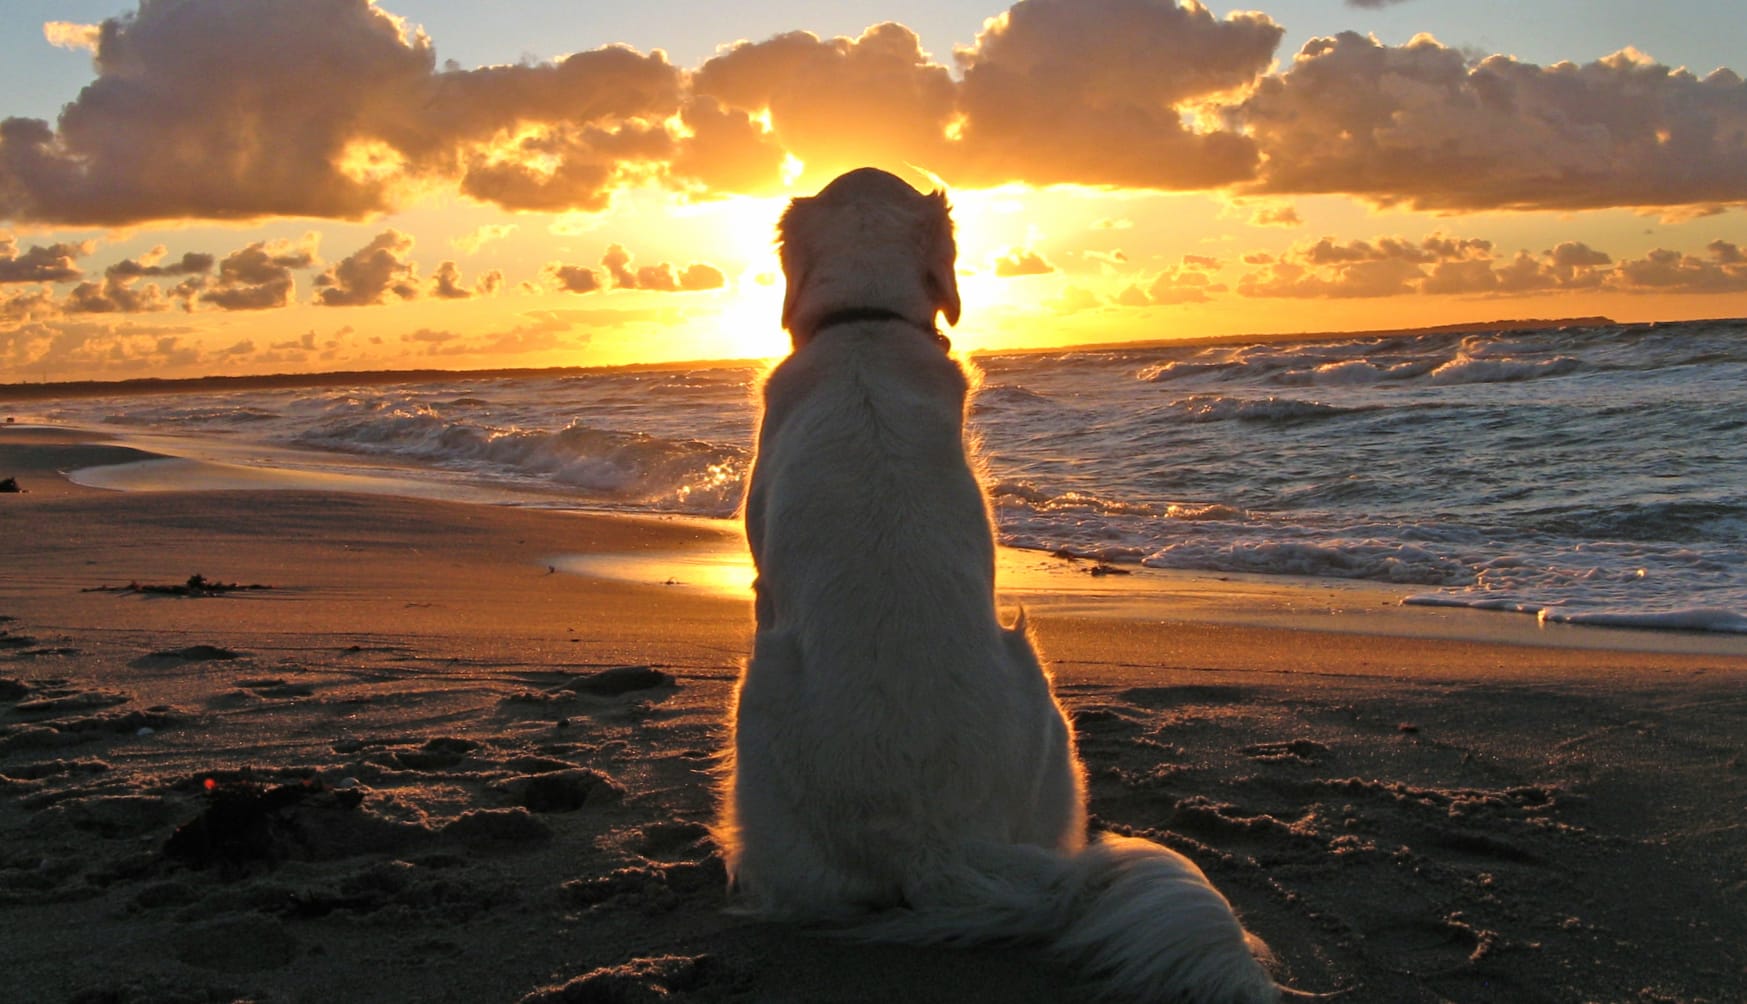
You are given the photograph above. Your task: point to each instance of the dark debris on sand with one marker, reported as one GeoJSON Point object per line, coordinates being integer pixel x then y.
{"type": "Point", "coordinates": [196, 586]}
{"type": "Point", "coordinates": [619, 680]}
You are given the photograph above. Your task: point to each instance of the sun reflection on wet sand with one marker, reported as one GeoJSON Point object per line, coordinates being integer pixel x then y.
{"type": "Point", "coordinates": [719, 569]}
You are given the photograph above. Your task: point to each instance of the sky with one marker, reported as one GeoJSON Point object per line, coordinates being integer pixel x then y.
{"type": "Point", "coordinates": [199, 187]}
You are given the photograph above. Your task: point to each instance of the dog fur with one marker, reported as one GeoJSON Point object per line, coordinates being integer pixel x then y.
{"type": "Point", "coordinates": [899, 764]}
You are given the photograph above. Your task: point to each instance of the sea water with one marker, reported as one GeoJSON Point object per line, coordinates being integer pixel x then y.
{"type": "Point", "coordinates": [1589, 475]}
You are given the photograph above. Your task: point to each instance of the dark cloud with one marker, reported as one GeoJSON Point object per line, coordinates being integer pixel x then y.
{"type": "Point", "coordinates": [115, 295]}
{"type": "Point", "coordinates": [259, 276]}
{"type": "Point", "coordinates": [575, 278]}
{"type": "Point", "coordinates": [446, 283]}
{"type": "Point", "coordinates": [191, 263]}
{"type": "Point", "coordinates": [379, 270]}
{"type": "Point", "coordinates": [53, 263]}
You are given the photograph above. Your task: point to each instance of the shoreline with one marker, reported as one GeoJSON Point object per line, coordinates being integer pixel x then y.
{"type": "Point", "coordinates": [716, 561]}
{"type": "Point", "coordinates": [448, 798]}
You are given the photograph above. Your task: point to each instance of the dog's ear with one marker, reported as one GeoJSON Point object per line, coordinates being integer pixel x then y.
{"type": "Point", "coordinates": [942, 257]}
{"type": "Point", "coordinates": [794, 260]}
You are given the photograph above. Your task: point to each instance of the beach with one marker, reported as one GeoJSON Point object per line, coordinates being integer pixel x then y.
{"type": "Point", "coordinates": [431, 760]}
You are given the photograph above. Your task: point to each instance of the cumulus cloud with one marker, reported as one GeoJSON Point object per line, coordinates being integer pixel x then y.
{"type": "Point", "coordinates": [1095, 92]}
{"type": "Point", "coordinates": [1387, 266]}
{"type": "Point", "coordinates": [1420, 125]}
{"type": "Point", "coordinates": [259, 276]}
{"type": "Point", "coordinates": [1276, 216]}
{"type": "Point", "coordinates": [1019, 262]}
{"type": "Point", "coordinates": [191, 263]}
{"type": "Point", "coordinates": [840, 102]}
{"type": "Point", "coordinates": [69, 35]}
{"type": "Point", "coordinates": [574, 278]}
{"type": "Point", "coordinates": [370, 275]}
{"type": "Point", "coordinates": [50, 263]}
{"type": "Point", "coordinates": [664, 277]}
{"type": "Point", "coordinates": [1723, 269]}
{"type": "Point", "coordinates": [296, 82]}
{"type": "Point", "coordinates": [121, 291]}
{"type": "Point", "coordinates": [1450, 266]}
{"type": "Point", "coordinates": [446, 283]}
{"type": "Point", "coordinates": [1189, 281]}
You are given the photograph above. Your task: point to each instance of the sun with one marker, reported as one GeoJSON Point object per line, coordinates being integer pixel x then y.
{"type": "Point", "coordinates": [749, 323]}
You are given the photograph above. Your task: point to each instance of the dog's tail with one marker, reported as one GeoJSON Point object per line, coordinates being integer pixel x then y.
{"type": "Point", "coordinates": [1139, 918]}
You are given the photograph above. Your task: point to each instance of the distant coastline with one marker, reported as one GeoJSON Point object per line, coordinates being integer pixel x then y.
{"type": "Point", "coordinates": [172, 385]}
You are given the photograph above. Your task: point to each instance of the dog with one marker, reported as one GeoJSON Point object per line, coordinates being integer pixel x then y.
{"type": "Point", "coordinates": [899, 765]}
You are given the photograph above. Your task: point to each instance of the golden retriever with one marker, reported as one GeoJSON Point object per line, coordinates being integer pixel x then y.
{"type": "Point", "coordinates": [899, 762]}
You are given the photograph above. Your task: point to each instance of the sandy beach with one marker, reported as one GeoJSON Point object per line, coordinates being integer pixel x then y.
{"type": "Point", "coordinates": [431, 760]}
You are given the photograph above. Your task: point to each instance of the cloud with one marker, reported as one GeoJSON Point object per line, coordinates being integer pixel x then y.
{"type": "Point", "coordinates": [1276, 216]}
{"type": "Point", "coordinates": [1385, 266]}
{"type": "Point", "coordinates": [68, 35]}
{"type": "Point", "coordinates": [1450, 266]}
{"type": "Point", "coordinates": [1421, 126]}
{"type": "Point", "coordinates": [1094, 93]}
{"type": "Point", "coordinates": [27, 307]}
{"type": "Point", "coordinates": [1190, 281]}
{"type": "Point", "coordinates": [120, 292]}
{"type": "Point", "coordinates": [218, 110]}
{"type": "Point", "coordinates": [840, 102]}
{"type": "Point", "coordinates": [1044, 88]}
{"type": "Point", "coordinates": [489, 233]}
{"type": "Point", "coordinates": [259, 276]}
{"type": "Point", "coordinates": [542, 332]}
{"type": "Point", "coordinates": [51, 263]}
{"type": "Point", "coordinates": [191, 263]}
{"type": "Point", "coordinates": [369, 276]}
{"type": "Point", "coordinates": [1018, 262]}
{"type": "Point", "coordinates": [661, 278]}
{"type": "Point", "coordinates": [446, 283]}
{"type": "Point", "coordinates": [1722, 270]}
{"type": "Point", "coordinates": [337, 109]}
{"type": "Point", "coordinates": [574, 278]}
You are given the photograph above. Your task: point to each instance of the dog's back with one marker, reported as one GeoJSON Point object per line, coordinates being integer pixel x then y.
{"type": "Point", "coordinates": [883, 694]}
{"type": "Point", "coordinates": [899, 758]}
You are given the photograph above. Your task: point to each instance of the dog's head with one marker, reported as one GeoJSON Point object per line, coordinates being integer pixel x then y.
{"type": "Point", "coordinates": [867, 241]}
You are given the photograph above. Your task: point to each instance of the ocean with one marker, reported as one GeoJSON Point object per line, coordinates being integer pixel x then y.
{"type": "Point", "coordinates": [1583, 475]}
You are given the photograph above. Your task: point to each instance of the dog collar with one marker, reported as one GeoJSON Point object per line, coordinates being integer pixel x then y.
{"type": "Point", "coordinates": [851, 315]}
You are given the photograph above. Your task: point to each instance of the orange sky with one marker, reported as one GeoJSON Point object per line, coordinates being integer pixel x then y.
{"type": "Point", "coordinates": [310, 187]}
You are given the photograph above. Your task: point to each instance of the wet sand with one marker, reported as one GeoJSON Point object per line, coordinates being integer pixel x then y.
{"type": "Point", "coordinates": [399, 773]}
